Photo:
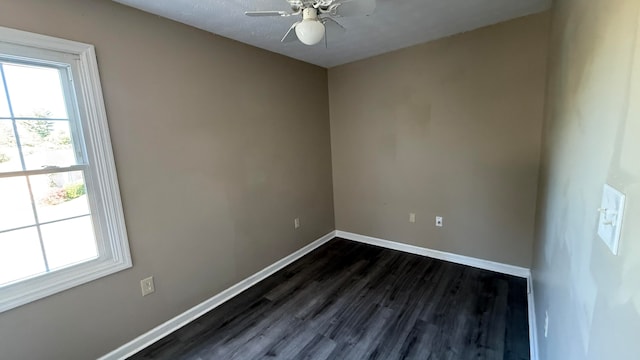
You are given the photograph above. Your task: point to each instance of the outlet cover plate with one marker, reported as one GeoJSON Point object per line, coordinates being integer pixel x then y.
{"type": "Point", "coordinates": [147, 286]}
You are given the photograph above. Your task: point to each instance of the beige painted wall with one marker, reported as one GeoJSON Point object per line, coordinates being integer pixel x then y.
{"type": "Point", "coordinates": [447, 128]}
{"type": "Point", "coordinates": [213, 166]}
{"type": "Point", "coordinates": [591, 136]}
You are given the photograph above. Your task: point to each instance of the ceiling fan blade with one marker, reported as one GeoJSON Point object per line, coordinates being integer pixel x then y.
{"type": "Point", "coordinates": [291, 34]}
{"type": "Point", "coordinates": [355, 8]}
{"type": "Point", "coordinates": [267, 13]}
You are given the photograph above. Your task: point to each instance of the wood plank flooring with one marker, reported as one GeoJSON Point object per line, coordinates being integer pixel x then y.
{"type": "Point", "coordinates": [348, 300]}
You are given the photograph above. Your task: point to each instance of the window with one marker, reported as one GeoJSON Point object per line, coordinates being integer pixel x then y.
{"type": "Point", "coordinates": [61, 221]}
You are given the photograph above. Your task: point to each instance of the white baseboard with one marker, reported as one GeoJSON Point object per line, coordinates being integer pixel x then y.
{"type": "Point", "coordinates": [195, 312]}
{"type": "Point", "coordinates": [440, 255]}
{"type": "Point", "coordinates": [533, 327]}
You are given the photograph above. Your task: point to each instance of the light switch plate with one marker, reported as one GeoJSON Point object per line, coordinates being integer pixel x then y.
{"type": "Point", "coordinates": [611, 214]}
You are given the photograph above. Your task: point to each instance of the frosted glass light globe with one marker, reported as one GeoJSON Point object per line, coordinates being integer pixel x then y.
{"type": "Point", "coordinates": [310, 32]}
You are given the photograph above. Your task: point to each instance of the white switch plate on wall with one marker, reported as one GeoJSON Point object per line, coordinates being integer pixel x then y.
{"type": "Point", "coordinates": [611, 213]}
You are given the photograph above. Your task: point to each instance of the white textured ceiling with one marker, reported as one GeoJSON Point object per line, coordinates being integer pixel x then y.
{"type": "Point", "coordinates": [394, 24]}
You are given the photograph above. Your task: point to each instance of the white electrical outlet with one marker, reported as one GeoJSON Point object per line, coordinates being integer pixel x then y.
{"type": "Point", "coordinates": [439, 221]}
{"type": "Point", "coordinates": [412, 217]}
{"type": "Point", "coordinates": [147, 286]}
{"type": "Point", "coordinates": [546, 323]}
{"type": "Point", "coordinates": [296, 223]}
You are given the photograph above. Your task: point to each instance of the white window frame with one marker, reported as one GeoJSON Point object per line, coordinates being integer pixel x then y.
{"type": "Point", "coordinates": [106, 205]}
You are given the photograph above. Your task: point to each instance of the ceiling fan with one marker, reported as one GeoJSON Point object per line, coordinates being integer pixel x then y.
{"type": "Point", "coordinates": [317, 16]}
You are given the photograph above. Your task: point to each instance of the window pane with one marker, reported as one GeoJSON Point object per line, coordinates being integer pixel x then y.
{"type": "Point", "coordinates": [68, 242]}
{"type": "Point", "coordinates": [35, 91]}
{"type": "Point", "coordinates": [15, 204]}
{"type": "Point", "coordinates": [9, 155]}
{"type": "Point", "coordinates": [46, 143]}
{"type": "Point", "coordinates": [20, 255]}
{"type": "Point", "coordinates": [4, 105]}
{"type": "Point", "coordinates": [59, 196]}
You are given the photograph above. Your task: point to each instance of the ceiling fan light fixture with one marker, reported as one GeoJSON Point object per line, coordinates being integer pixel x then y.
{"type": "Point", "coordinates": [310, 30]}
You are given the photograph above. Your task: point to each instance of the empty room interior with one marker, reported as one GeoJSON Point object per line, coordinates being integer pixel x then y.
{"type": "Point", "coordinates": [320, 179]}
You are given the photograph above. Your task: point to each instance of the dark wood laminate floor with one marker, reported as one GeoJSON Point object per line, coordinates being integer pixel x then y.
{"type": "Point", "coordinates": [348, 300]}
